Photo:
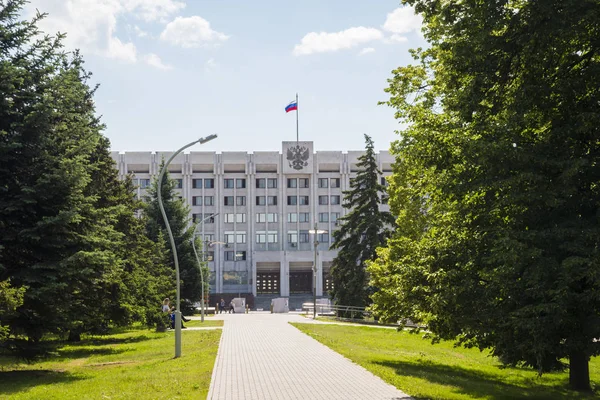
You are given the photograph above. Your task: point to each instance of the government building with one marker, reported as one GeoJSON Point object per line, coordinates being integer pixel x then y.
{"type": "Point", "coordinates": [255, 212]}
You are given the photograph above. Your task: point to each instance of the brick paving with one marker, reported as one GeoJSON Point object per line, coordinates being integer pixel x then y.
{"type": "Point", "coordinates": [263, 357]}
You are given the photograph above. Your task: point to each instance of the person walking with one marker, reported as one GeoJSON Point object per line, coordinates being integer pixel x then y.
{"type": "Point", "coordinates": [222, 306]}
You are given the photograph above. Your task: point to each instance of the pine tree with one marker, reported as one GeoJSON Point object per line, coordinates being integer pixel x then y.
{"type": "Point", "coordinates": [362, 231]}
{"type": "Point", "coordinates": [178, 214]}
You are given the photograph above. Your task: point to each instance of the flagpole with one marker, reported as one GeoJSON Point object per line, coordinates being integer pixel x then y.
{"type": "Point", "coordinates": [297, 137]}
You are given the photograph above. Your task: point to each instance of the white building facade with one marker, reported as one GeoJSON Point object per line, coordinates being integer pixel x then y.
{"type": "Point", "coordinates": [264, 204]}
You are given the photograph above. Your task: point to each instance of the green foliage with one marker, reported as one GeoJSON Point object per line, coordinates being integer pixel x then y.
{"type": "Point", "coordinates": [71, 245]}
{"type": "Point", "coordinates": [497, 182]}
{"type": "Point", "coordinates": [362, 230]}
{"type": "Point", "coordinates": [178, 214]}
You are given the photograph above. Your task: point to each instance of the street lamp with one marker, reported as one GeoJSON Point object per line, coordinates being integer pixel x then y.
{"type": "Point", "coordinates": [172, 239]}
{"type": "Point", "coordinates": [201, 223]}
{"type": "Point", "coordinates": [316, 243]}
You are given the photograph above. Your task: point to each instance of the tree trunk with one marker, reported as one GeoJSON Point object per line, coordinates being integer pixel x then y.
{"type": "Point", "coordinates": [579, 371]}
{"type": "Point", "coordinates": [74, 336]}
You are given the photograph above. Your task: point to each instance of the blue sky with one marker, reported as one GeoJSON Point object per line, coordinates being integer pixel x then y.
{"type": "Point", "coordinates": [174, 70]}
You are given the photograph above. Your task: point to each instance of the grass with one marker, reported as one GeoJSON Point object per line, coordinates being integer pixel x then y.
{"type": "Point", "coordinates": [134, 364]}
{"type": "Point", "coordinates": [207, 323]}
{"type": "Point", "coordinates": [440, 371]}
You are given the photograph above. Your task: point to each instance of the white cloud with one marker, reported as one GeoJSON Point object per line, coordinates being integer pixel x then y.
{"type": "Point", "coordinates": [323, 42]}
{"type": "Point", "coordinates": [155, 61]}
{"type": "Point", "coordinates": [121, 51]}
{"type": "Point", "coordinates": [396, 38]}
{"type": "Point", "coordinates": [366, 50]}
{"type": "Point", "coordinates": [191, 32]}
{"type": "Point", "coordinates": [91, 25]}
{"type": "Point", "coordinates": [139, 32]}
{"type": "Point", "coordinates": [210, 64]}
{"type": "Point", "coordinates": [403, 20]}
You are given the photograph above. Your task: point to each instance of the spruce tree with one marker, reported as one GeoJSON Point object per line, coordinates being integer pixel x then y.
{"type": "Point", "coordinates": [178, 214]}
{"type": "Point", "coordinates": [362, 231]}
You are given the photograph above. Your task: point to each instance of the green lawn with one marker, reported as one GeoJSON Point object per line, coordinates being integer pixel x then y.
{"type": "Point", "coordinates": [136, 364]}
{"type": "Point", "coordinates": [440, 371]}
{"type": "Point", "coordinates": [207, 322]}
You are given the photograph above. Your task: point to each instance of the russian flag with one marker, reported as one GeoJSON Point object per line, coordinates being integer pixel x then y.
{"type": "Point", "coordinates": [293, 106]}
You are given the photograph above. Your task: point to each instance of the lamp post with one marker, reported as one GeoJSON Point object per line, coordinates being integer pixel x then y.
{"type": "Point", "coordinates": [201, 223]}
{"type": "Point", "coordinates": [172, 239]}
{"type": "Point", "coordinates": [315, 243]}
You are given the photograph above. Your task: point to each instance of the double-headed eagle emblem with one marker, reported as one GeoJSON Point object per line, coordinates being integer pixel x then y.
{"type": "Point", "coordinates": [297, 156]}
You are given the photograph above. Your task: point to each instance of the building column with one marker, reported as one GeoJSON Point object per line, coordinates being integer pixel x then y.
{"type": "Point", "coordinates": [319, 275]}
{"type": "Point", "coordinates": [284, 276]}
{"type": "Point", "coordinates": [253, 277]}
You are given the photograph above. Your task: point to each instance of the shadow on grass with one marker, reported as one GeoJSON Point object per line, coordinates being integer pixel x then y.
{"type": "Point", "coordinates": [96, 346]}
{"type": "Point", "coordinates": [20, 381]}
{"type": "Point", "coordinates": [477, 384]}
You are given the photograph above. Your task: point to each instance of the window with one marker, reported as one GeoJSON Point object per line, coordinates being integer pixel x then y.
{"type": "Point", "coordinates": [384, 181]}
{"type": "Point", "coordinates": [197, 200]}
{"type": "Point", "coordinates": [272, 183]}
{"type": "Point", "coordinates": [228, 183]}
{"type": "Point", "coordinates": [240, 237]}
{"type": "Point", "coordinates": [292, 183]}
{"type": "Point", "coordinates": [261, 237]}
{"type": "Point", "coordinates": [272, 237]}
{"type": "Point", "coordinates": [209, 183]}
{"type": "Point", "coordinates": [304, 238]}
{"type": "Point", "coordinates": [292, 217]}
{"type": "Point", "coordinates": [240, 200]}
{"type": "Point", "coordinates": [235, 255]}
{"type": "Point", "coordinates": [197, 183]}
{"type": "Point", "coordinates": [228, 200]}
{"type": "Point", "coordinates": [261, 183]}
{"type": "Point", "coordinates": [303, 182]}
{"type": "Point", "coordinates": [178, 183]}
{"type": "Point", "coordinates": [261, 217]}
{"type": "Point", "coordinates": [385, 199]}
{"type": "Point", "coordinates": [323, 237]}
{"type": "Point", "coordinates": [229, 237]}
{"type": "Point", "coordinates": [200, 217]}
{"type": "Point", "coordinates": [303, 200]}
{"type": "Point", "coordinates": [209, 237]}
{"type": "Point", "coordinates": [272, 200]}
{"type": "Point", "coordinates": [272, 217]}
{"type": "Point", "coordinates": [304, 217]}
{"type": "Point", "coordinates": [323, 217]}
{"type": "Point", "coordinates": [208, 201]}
{"type": "Point", "coordinates": [240, 183]}
{"type": "Point", "coordinates": [210, 256]}
{"type": "Point", "coordinates": [144, 183]}
{"type": "Point", "coordinates": [323, 182]}
{"type": "Point", "coordinates": [335, 199]}
{"type": "Point", "coordinates": [335, 216]}
{"type": "Point", "coordinates": [292, 236]}
{"type": "Point", "coordinates": [239, 218]}
{"type": "Point", "coordinates": [334, 182]}
{"type": "Point", "coordinates": [260, 200]}
{"type": "Point", "coordinates": [292, 200]}
{"type": "Point", "coordinates": [324, 200]}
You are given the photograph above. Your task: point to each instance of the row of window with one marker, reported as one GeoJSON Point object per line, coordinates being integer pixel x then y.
{"type": "Point", "coordinates": [264, 200]}
{"type": "Point", "coordinates": [302, 236]}
{"type": "Point", "coordinates": [230, 218]}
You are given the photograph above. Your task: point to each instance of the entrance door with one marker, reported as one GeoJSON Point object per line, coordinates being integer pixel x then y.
{"type": "Point", "coordinates": [267, 282]}
{"type": "Point", "coordinates": [300, 282]}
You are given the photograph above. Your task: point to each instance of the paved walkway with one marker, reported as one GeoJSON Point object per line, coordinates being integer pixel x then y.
{"type": "Point", "coordinates": [263, 357]}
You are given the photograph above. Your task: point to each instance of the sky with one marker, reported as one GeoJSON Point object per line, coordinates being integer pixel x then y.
{"type": "Point", "coordinates": [171, 71]}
